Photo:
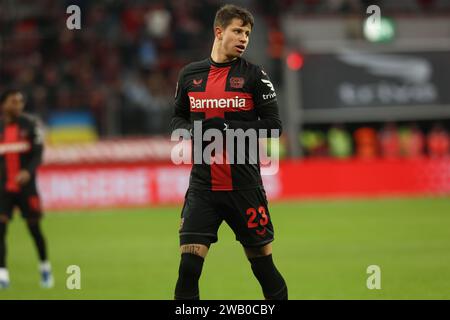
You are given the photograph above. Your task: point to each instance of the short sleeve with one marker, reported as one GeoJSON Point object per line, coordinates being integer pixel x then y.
{"type": "Point", "coordinates": [181, 97]}
{"type": "Point", "coordinates": [264, 90]}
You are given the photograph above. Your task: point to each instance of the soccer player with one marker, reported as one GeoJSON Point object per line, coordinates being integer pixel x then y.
{"type": "Point", "coordinates": [21, 148]}
{"type": "Point", "coordinates": [226, 92]}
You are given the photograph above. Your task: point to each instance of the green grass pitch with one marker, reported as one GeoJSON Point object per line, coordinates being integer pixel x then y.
{"type": "Point", "coordinates": [322, 248]}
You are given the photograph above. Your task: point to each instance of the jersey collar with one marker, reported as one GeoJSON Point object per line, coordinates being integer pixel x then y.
{"type": "Point", "coordinates": [224, 64]}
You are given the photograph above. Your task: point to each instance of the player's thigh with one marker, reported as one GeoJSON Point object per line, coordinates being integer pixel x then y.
{"type": "Point", "coordinates": [247, 213]}
{"type": "Point", "coordinates": [7, 201]}
{"type": "Point", "coordinates": [29, 203]}
{"type": "Point", "coordinates": [200, 220]}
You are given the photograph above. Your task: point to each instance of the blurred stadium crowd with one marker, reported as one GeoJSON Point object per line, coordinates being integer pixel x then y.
{"type": "Point", "coordinates": [122, 67]}
{"type": "Point", "coordinates": [124, 59]}
{"type": "Point", "coordinates": [388, 140]}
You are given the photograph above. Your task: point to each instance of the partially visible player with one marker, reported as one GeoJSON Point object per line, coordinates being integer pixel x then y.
{"type": "Point", "coordinates": [21, 149]}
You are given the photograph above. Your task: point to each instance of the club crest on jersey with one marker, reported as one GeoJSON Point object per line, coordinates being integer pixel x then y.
{"type": "Point", "coordinates": [197, 82]}
{"type": "Point", "coordinates": [237, 82]}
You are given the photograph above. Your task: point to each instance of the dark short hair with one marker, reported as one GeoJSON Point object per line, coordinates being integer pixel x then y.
{"type": "Point", "coordinates": [228, 12]}
{"type": "Point", "coordinates": [7, 93]}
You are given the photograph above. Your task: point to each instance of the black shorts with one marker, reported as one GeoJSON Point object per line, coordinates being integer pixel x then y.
{"type": "Point", "coordinates": [27, 200]}
{"type": "Point", "coordinates": [245, 211]}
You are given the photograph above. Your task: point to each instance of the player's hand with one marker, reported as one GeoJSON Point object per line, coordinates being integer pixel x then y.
{"type": "Point", "coordinates": [215, 123]}
{"type": "Point", "coordinates": [23, 177]}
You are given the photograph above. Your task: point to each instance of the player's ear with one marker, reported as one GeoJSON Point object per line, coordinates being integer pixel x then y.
{"type": "Point", "coordinates": [218, 32]}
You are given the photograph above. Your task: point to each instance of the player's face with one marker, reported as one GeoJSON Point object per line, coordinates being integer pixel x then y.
{"type": "Point", "coordinates": [13, 104]}
{"type": "Point", "coordinates": [235, 38]}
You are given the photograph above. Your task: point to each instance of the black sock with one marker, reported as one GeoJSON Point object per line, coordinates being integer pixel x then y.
{"type": "Point", "coordinates": [188, 275]}
{"type": "Point", "coordinates": [3, 244]}
{"type": "Point", "coordinates": [272, 283]}
{"type": "Point", "coordinates": [39, 240]}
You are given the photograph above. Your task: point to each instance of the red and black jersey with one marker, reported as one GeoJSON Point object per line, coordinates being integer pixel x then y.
{"type": "Point", "coordinates": [237, 91]}
{"type": "Point", "coordinates": [21, 148]}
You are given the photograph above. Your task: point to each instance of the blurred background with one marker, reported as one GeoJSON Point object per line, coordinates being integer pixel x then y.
{"type": "Point", "coordinates": [366, 114]}
{"type": "Point", "coordinates": [116, 76]}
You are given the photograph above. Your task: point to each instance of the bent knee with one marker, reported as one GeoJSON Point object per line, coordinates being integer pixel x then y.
{"type": "Point", "coordinates": [195, 248]}
{"type": "Point", "coordinates": [258, 251]}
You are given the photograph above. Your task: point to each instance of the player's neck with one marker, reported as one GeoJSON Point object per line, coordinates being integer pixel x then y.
{"type": "Point", "coordinates": [218, 56]}
{"type": "Point", "coordinates": [8, 118]}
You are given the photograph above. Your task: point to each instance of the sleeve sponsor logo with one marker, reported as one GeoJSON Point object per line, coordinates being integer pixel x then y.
{"type": "Point", "coordinates": [269, 84]}
{"type": "Point", "coordinates": [270, 95]}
